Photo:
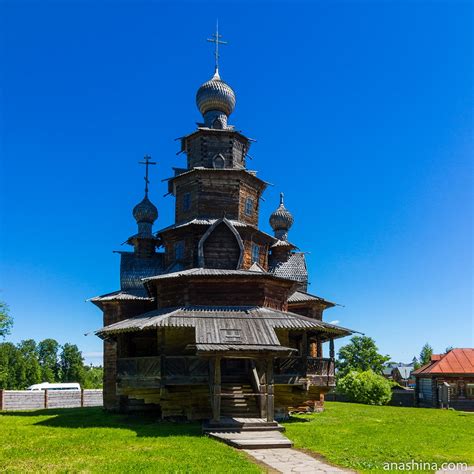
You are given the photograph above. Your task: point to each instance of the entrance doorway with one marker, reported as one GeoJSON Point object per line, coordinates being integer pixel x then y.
{"type": "Point", "coordinates": [235, 370]}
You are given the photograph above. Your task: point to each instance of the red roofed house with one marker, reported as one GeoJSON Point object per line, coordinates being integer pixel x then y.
{"type": "Point", "coordinates": [456, 368]}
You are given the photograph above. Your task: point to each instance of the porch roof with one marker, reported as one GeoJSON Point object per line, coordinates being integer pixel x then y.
{"type": "Point", "coordinates": [234, 325]}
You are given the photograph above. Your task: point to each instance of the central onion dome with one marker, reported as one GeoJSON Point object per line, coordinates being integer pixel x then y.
{"type": "Point", "coordinates": [216, 101]}
{"type": "Point", "coordinates": [281, 220]}
{"type": "Point", "coordinates": [145, 212]}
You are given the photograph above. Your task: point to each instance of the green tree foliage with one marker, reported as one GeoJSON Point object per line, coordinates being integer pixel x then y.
{"type": "Point", "coordinates": [12, 367]}
{"type": "Point", "coordinates": [93, 377]}
{"type": "Point", "coordinates": [361, 354]}
{"type": "Point", "coordinates": [29, 352]}
{"type": "Point", "coordinates": [71, 364]}
{"type": "Point", "coordinates": [6, 321]}
{"type": "Point", "coordinates": [365, 387]}
{"type": "Point", "coordinates": [425, 354]}
{"type": "Point", "coordinates": [48, 359]}
{"type": "Point", "coordinates": [21, 365]}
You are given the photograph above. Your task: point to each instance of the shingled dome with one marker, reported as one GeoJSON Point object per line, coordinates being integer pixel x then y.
{"type": "Point", "coordinates": [145, 211]}
{"type": "Point", "coordinates": [281, 220]}
{"type": "Point", "coordinates": [215, 95]}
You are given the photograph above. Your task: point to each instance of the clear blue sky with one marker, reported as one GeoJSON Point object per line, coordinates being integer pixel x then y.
{"type": "Point", "coordinates": [363, 116]}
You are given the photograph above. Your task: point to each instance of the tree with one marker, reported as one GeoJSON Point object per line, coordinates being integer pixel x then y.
{"type": "Point", "coordinates": [365, 387]}
{"type": "Point", "coordinates": [32, 367]}
{"type": "Point", "coordinates": [425, 354]}
{"type": "Point", "coordinates": [6, 321]}
{"type": "Point", "coordinates": [71, 364]}
{"type": "Point", "coordinates": [93, 377]}
{"type": "Point", "coordinates": [48, 360]}
{"type": "Point", "coordinates": [360, 354]}
{"type": "Point", "coordinates": [12, 367]}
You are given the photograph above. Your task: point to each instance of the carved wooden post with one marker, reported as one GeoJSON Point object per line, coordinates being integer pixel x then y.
{"type": "Point", "coordinates": [319, 348]}
{"type": "Point", "coordinates": [331, 348]}
{"type": "Point", "coordinates": [270, 395]}
{"type": "Point", "coordinates": [216, 390]}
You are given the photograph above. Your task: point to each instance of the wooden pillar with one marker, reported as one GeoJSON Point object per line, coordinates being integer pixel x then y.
{"type": "Point", "coordinates": [261, 371]}
{"type": "Point", "coordinates": [319, 348]}
{"type": "Point", "coordinates": [2, 399]}
{"type": "Point", "coordinates": [216, 390]}
{"type": "Point", "coordinates": [46, 398]}
{"type": "Point", "coordinates": [270, 394]}
{"type": "Point", "coordinates": [331, 348]}
{"type": "Point", "coordinates": [82, 397]}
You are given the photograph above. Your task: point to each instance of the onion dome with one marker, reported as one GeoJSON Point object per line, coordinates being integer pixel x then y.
{"type": "Point", "coordinates": [281, 220]}
{"type": "Point", "coordinates": [145, 211]}
{"type": "Point", "coordinates": [214, 98]}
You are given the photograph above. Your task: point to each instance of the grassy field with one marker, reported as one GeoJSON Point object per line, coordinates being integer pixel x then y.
{"type": "Point", "coordinates": [89, 440]}
{"type": "Point", "coordinates": [358, 437]}
{"type": "Point", "coordinates": [363, 437]}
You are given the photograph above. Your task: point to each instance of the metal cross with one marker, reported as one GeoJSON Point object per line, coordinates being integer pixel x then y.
{"type": "Point", "coordinates": [147, 163]}
{"type": "Point", "coordinates": [217, 41]}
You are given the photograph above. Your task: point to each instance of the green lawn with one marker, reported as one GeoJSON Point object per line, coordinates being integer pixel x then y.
{"type": "Point", "coordinates": [359, 437]}
{"type": "Point", "coordinates": [363, 437]}
{"type": "Point", "coordinates": [90, 440]}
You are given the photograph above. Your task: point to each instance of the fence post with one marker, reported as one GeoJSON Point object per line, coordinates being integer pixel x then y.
{"type": "Point", "coordinates": [82, 398]}
{"type": "Point", "coordinates": [45, 398]}
{"type": "Point", "coordinates": [2, 398]}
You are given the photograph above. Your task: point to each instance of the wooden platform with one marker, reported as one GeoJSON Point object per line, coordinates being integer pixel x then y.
{"type": "Point", "coordinates": [248, 433]}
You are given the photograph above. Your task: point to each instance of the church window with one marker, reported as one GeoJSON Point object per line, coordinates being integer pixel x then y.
{"type": "Point", "coordinates": [255, 253]}
{"type": "Point", "coordinates": [186, 202]}
{"type": "Point", "coordinates": [179, 250]}
{"type": "Point", "coordinates": [219, 161]}
{"type": "Point", "coordinates": [249, 206]}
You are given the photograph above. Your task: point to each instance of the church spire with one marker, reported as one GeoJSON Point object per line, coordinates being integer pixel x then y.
{"type": "Point", "coordinates": [215, 98]}
{"type": "Point", "coordinates": [216, 39]}
{"type": "Point", "coordinates": [281, 220]}
{"type": "Point", "coordinates": [145, 212]}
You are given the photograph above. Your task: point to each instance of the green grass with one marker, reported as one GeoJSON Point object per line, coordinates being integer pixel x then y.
{"type": "Point", "coordinates": [362, 437]}
{"type": "Point", "coordinates": [90, 440]}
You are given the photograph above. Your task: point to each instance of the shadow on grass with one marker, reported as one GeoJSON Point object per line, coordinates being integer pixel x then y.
{"type": "Point", "coordinates": [95, 417]}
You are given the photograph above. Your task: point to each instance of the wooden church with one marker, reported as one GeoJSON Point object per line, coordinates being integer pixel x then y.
{"type": "Point", "coordinates": [213, 318]}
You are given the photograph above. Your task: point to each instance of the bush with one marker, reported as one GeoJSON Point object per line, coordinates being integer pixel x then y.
{"type": "Point", "coordinates": [365, 387]}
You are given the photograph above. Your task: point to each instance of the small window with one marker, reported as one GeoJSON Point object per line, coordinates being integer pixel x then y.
{"type": "Point", "coordinates": [249, 206]}
{"type": "Point", "coordinates": [231, 335]}
{"type": "Point", "coordinates": [219, 161]}
{"type": "Point", "coordinates": [179, 250]}
{"type": "Point", "coordinates": [255, 253]}
{"type": "Point", "coordinates": [186, 202]}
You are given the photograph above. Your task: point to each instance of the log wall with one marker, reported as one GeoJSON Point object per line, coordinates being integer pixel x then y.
{"type": "Point", "coordinates": [29, 400]}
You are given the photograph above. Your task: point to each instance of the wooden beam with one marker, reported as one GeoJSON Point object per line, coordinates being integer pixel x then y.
{"type": "Point", "coordinates": [270, 392]}
{"type": "Point", "coordinates": [216, 390]}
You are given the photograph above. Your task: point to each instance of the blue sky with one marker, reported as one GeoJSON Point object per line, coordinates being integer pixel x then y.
{"type": "Point", "coordinates": [362, 113]}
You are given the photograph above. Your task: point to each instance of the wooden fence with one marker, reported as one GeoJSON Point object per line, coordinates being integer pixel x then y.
{"type": "Point", "coordinates": [34, 400]}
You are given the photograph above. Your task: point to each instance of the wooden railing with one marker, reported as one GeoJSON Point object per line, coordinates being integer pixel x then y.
{"type": "Point", "coordinates": [154, 371]}
{"type": "Point", "coordinates": [291, 369]}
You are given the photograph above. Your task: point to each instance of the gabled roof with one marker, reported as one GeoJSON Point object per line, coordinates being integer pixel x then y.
{"type": "Point", "coordinates": [254, 325]}
{"type": "Point", "coordinates": [120, 295]}
{"type": "Point", "coordinates": [210, 272]}
{"type": "Point", "coordinates": [404, 371]}
{"type": "Point", "coordinates": [303, 297]}
{"type": "Point", "coordinates": [456, 361]}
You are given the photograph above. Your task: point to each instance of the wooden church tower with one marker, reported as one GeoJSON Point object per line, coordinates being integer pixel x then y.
{"type": "Point", "coordinates": [213, 318]}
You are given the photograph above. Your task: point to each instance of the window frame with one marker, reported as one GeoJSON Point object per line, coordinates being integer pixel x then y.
{"type": "Point", "coordinates": [249, 206]}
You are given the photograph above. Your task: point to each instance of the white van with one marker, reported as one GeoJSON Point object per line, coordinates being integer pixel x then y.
{"type": "Point", "coordinates": [54, 386]}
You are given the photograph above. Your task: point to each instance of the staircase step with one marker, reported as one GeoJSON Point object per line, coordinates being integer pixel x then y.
{"type": "Point", "coordinates": [253, 439]}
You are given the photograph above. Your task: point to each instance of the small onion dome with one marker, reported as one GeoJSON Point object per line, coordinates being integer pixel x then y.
{"type": "Point", "coordinates": [145, 211]}
{"type": "Point", "coordinates": [281, 219]}
{"type": "Point", "coordinates": [216, 95]}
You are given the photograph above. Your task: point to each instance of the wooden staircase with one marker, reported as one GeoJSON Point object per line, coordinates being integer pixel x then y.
{"type": "Point", "coordinates": [238, 400]}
